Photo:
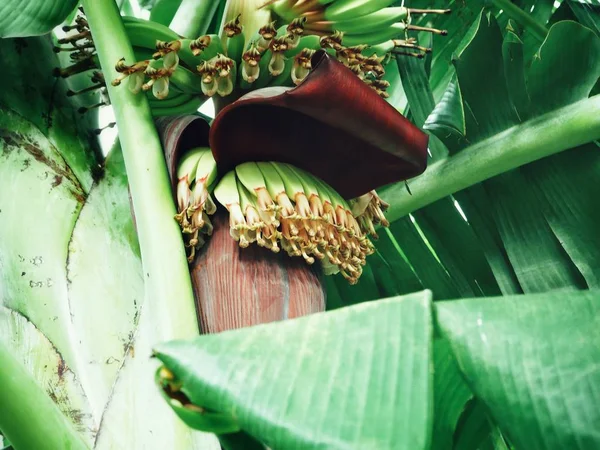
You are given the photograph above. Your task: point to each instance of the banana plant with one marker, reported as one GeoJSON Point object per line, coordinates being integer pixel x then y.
{"type": "Point", "coordinates": [272, 205]}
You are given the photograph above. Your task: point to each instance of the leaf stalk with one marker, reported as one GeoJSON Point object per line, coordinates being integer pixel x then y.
{"type": "Point", "coordinates": [545, 135]}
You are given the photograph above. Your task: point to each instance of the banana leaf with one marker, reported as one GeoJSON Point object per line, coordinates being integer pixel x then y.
{"type": "Point", "coordinates": [72, 307]}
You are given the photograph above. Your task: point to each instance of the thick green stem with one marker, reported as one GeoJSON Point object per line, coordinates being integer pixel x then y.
{"type": "Point", "coordinates": [193, 17]}
{"type": "Point", "coordinates": [543, 136]}
{"type": "Point", "coordinates": [522, 18]}
{"type": "Point", "coordinates": [28, 417]}
{"type": "Point", "coordinates": [167, 279]}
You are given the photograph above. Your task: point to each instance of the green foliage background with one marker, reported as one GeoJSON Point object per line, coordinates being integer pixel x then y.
{"type": "Point", "coordinates": [488, 335]}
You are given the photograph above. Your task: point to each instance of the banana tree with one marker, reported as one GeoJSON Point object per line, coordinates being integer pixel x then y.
{"type": "Point", "coordinates": [484, 266]}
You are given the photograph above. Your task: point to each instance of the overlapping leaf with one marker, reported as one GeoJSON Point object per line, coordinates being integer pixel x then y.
{"type": "Point", "coordinates": [357, 377]}
{"type": "Point", "coordinates": [533, 361]}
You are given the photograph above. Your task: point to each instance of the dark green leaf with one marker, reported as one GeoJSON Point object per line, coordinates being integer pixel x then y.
{"type": "Point", "coordinates": [540, 262]}
{"type": "Point", "coordinates": [473, 428]}
{"type": "Point", "coordinates": [447, 120]}
{"type": "Point", "coordinates": [482, 223]}
{"type": "Point", "coordinates": [561, 73]}
{"type": "Point", "coordinates": [480, 72]}
{"type": "Point", "coordinates": [424, 262]}
{"type": "Point", "coordinates": [568, 182]}
{"type": "Point", "coordinates": [420, 98]}
{"type": "Point", "coordinates": [405, 279]}
{"type": "Point", "coordinates": [588, 13]}
{"type": "Point", "coordinates": [512, 51]}
{"type": "Point", "coordinates": [458, 248]}
{"type": "Point", "coordinates": [450, 394]}
{"type": "Point", "coordinates": [20, 18]}
{"type": "Point", "coordinates": [533, 361]}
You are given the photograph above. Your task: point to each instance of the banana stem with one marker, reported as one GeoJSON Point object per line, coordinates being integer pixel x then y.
{"type": "Point", "coordinates": [522, 18]}
{"type": "Point", "coordinates": [30, 419]}
{"type": "Point", "coordinates": [168, 291]}
{"type": "Point", "coordinates": [537, 138]}
{"type": "Point", "coordinates": [193, 17]}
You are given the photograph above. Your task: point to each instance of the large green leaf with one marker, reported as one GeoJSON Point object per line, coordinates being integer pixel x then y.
{"type": "Point", "coordinates": [416, 87]}
{"type": "Point", "coordinates": [534, 225]}
{"type": "Point", "coordinates": [450, 395]}
{"type": "Point", "coordinates": [20, 18]}
{"type": "Point", "coordinates": [566, 67]}
{"type": "Point", "coordinates": [489, 113]}
{"type": "Point", "coordinates": [538, 255]}
{"type": "Point", "coordinates": [357, 377]}
{"type": "Point", "coordinates": [72, 308]}
{"type": "Point", "coordinates": [533, 361]}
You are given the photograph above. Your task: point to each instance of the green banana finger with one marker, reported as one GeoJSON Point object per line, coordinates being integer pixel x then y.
{"type": "Point", "coordinates": [173, 99]}
{"type": "Point", "coordinates": [188, 107]}
{"type": "Point", "coordinates": [376, 37]}
{"type": "Point", "coordinates": [348, 9]}
{"type": "Point", "coordinates": [144, 33]}
{"type": "Point", "coordinates": [226, 191]}
{"type": "Point", "coordinates": [235, 47]}
{"type": "Point", "coordinates": [186, 81]}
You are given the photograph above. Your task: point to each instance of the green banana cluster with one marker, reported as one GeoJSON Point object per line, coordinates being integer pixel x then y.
{"type": "Point", "coordinates": [275, 205]}
{"type": "Point", "coordinates": [281, 207]}
{"type": "Point", "coordinates": [365, 35]}
{"type": "Point", "coordinates": [368, 22]}
{"type": "Point", "coordinates": [196, 177]}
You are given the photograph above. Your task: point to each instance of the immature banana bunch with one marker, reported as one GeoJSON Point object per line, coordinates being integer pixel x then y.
{"type": "Point", "coordinates": [196, 175]}
{"type": "Point", "coordinates": [279, 206]}
{"type": "Point", "coordinates": [179, 73]}
{"type": "Point", "coordinates": [365, 35]}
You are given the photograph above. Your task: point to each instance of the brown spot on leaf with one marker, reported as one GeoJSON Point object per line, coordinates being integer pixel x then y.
{"type": "Point", "coordinates": [57, 181]}
{"type": "Point", "coordinates": [61, 369]}
{"type": "Point", "coordinates": [18, 140]}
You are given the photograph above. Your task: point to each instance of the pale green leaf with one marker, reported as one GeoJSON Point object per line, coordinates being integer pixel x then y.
{"type": "Point", "coordinates": [357, 377]}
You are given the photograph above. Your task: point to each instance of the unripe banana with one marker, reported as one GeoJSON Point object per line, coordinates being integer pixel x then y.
{"type": "Point", "coordinates": [175, 98]}
{"type": "Point", "coordinates": [186, 173]}
{"type": "Point", "coordinates": [227, 194]}
{"type": "Point", "coordinates": [276, 188]}
{"type": "Point", "coordinates": [252, 178]}
{"type": "Point", "coordinates": [349, 9]}
{"type": "Point", "coordinates": [189, 105]}
{"type": "Point", "coordinates": [264, 76]}
{"type": "Point", "coordinates": [363, 24]}
{"type": "Point", "coordinates": [226, 191]}
{"type": "Point", "coordinates": [376, 37]}
{"type": "Point", "coordinates": [291, 181]}
{"type": "Point", "coordinates": [205, 47]}
{"type": "Point", "coordinates": [145, 33]}
{"type": "Point", "coordinates": [186, 81]}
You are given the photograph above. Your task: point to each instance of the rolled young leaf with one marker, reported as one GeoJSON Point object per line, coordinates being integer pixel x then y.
{"type": "Point", "coordinates": [333, 125]}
